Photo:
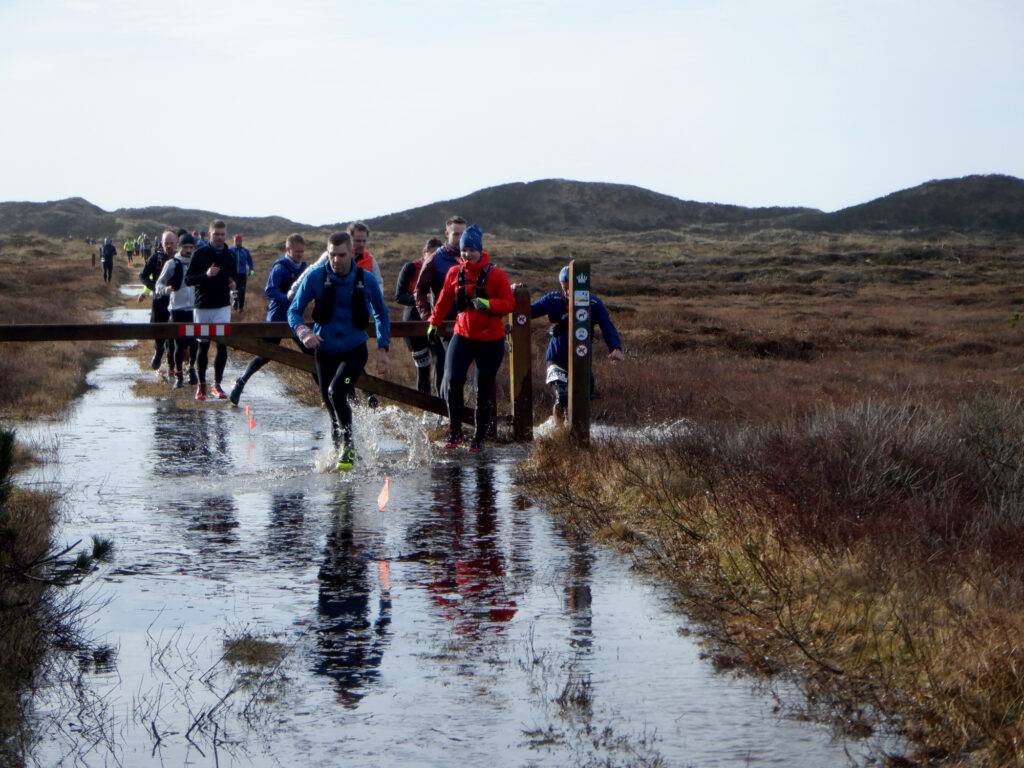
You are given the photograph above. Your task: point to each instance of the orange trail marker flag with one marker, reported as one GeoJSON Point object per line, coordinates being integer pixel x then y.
{"type": "Point", "coordinates": [252, 421]}
{"type": "Point", "coordinates": [382, 499]}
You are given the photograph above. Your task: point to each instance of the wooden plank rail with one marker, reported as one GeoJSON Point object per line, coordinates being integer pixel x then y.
{"type": "Point", "coordinates": [250, 337]}
{"type": "Point", "coordinates": [367, 381]}
{"type": "Point", "coordinates": [123, 331]}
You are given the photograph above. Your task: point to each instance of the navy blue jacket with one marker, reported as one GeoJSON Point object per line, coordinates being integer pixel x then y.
{"type": "Point", "coordinates": [282, 277]}
{"type": "Point", "coordinates": [556, 307]}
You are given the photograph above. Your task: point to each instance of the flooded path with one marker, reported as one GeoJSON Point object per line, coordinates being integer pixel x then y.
{"type": "Point", "coordinates": [458, 627]}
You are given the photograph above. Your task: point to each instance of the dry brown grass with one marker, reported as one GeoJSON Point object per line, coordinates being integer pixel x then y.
{"type": "Point", "coordinates": [48, 281]}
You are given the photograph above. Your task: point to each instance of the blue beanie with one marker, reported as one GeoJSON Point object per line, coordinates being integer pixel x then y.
{"type": "Point", "coordinates": [472, 238]}
{"type": "Point", "coordinates": [563, 275]}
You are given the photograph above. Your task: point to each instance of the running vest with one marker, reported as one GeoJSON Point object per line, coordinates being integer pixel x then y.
{"type": "Point", "coordinates": [461, 299]}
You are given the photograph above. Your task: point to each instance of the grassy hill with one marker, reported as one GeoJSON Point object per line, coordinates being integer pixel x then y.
{"type": "Point", "coordinates": [575, 207]}
{"type": "Point", "coordinates": [989, 204]}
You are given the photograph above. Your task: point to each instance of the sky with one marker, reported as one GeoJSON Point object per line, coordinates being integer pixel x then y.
{"type": "Point", "coordinates": [325, 111]}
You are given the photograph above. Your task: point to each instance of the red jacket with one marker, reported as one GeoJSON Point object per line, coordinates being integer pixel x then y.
{"type": "Point", "coordinates": [473, 323]}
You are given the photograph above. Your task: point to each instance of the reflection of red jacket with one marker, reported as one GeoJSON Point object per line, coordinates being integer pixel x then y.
{"type": "Point", "coordinates": [473, 323]}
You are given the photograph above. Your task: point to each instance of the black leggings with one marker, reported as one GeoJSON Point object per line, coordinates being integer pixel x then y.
{"type": "Point", "coordinates": [488, 356]}
{"type": "Point", "coordinates": [338, 375]}
{"type": "Point", "coordinates": [160, 313]}
{"type": "Point", "coordinates": [108, 270]}
{"type": "Point", "coordinates": [183, 342]}
{"type": "Point", "coordinates": [219, 361]}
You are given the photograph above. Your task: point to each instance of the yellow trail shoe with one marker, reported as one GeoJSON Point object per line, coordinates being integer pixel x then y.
{"type": "Point", "coordinates": [347, 457]}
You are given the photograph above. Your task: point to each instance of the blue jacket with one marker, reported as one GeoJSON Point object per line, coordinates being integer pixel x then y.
{"type": "Point", "coordinates": [338, 335]}
{"type": "Point", "coordinates": [556, 307]}
{"type": "Point", "coordinates": [245, 265]}
{"type": "Point", "coordinates": [282, 276]}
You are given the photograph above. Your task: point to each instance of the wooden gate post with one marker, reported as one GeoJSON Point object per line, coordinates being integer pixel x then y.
{"type": "Point", "coordinates": [520, 367]}
{"type": "Point", "coordinates": [579, 341]}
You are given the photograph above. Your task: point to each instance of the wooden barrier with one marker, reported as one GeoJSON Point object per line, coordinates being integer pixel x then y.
{"type": "Point", "coordinates": [250, 337]}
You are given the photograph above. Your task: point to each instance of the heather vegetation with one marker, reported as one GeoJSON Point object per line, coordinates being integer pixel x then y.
{"type": "Point", "coordinates": [829, 468]}
{"type": "Point", "coordinates": [819, 448]}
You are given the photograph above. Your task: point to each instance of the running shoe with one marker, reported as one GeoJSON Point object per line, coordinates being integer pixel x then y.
{"type": "Point", "coordinates": [236, 391]}
{"type": "Point", "coordinates": [347, 458]}
{"type": "Point", "coordinates": [155, 362]}
{"type": "Point", "coordinates": [179, 382]}
{"type": "Point", "coordinates": [477, 446]}
{"type": "Point", "coordinates": [455, 439]}
{"type": "Point", "coordinates": [217, 392]}
{"type": "Point", "coordinates": [201, 392]}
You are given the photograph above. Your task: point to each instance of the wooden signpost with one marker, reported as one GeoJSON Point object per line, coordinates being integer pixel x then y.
{"type": "Point", "coordinates": [580, 350]}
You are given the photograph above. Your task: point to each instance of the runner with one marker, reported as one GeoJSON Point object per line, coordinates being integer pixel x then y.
{"type": "Point", "coordinates": [283, 274]}
{"type": "Point", "coordinates": [428, 288]}
{"type": "Point", "coordinates": [482, 297]}
{"type": "Point", "coordinates": [345, 296]}
{"type": "Point", "coordinates": [556, 306]}
{"type": "Point", "coordinates": [243, 271]}
{"type": "Point", "coordinates": [159, 312]}
{"type": "Point", "coordinates": [418, 345]}
{"type": "Point", "coordinates": [212, 274]}
{"type": "Point", "coordinates": [172, 283]}
{"type": "Point", "coordinates": [107, 254]}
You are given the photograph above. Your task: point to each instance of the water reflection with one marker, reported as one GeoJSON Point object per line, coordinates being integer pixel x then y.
{"type": "Point", "coordinates": [578, 596]}
{"type": "Point", "coordinates": [468, 567]}
{"type": "Point", "coordinates": [291, 533]}
{"type": "Point", "coordinates": [350, 642]}
{"type": "Point", "coordinates": [193, 442]}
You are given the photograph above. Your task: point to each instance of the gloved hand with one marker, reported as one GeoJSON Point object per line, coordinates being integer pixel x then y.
{"type": "Point", "coordinates": [432, 334]}
{"type": "Point", "coordinates": [482, 304]}
{"type": "Point", "coordinates": [252, 273]}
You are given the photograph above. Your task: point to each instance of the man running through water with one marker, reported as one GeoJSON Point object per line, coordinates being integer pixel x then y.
{"type": "Point", "coordinates": [345, 296]}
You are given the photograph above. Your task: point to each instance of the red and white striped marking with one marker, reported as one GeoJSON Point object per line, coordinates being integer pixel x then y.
{"type": "Point", "coordinates": [202, 330]}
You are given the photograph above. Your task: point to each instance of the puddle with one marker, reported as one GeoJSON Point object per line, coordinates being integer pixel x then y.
{"type": "Point", "coordinates": [459, 626]}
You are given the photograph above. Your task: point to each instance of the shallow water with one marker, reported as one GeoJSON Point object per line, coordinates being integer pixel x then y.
{"type": "Point", "coordinates": [459, 626]}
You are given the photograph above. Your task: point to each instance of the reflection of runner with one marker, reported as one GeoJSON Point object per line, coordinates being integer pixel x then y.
{"type": "Point", "coordinates": [469, 583]}
{"type": "Point", "coordinates": [350, 646]}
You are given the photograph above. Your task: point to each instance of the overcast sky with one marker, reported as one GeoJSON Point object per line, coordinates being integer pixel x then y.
{"type": "Point", "coordinates": [325, 111]}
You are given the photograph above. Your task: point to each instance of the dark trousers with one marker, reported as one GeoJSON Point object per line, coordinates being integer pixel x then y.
{"type": "Point", "coordinates": [487, 355]}
{"type": "Point", "coordinates": [183, 342]}
{"type": "Point", "coordinates": [240, 282]}
{"type": "Point", "coordinates": [220, 360]}
{"type": "Point", "coordinates": [338, 375]}
{"type": "Point", "coordinates": [161, 313]}
{"type": "Point", "coordinates": [108, 270]}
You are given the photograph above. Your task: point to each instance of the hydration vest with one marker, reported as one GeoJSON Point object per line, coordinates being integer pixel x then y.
{"type": "Point", "coordinates": [461, 299]}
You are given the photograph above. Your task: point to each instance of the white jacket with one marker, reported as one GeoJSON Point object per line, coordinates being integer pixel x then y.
{"type": "Point", "coordinates": [184, 297]}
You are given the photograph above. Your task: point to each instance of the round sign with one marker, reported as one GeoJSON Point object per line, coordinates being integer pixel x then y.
{"type": "Point", "coordinates": [581, 315]}
{"type": "Point", "coordinates": [581, 350]}
{"type": "Point", "coordinates": [520, 319]}
{"type": "Point", "coordinates": [581, 334]}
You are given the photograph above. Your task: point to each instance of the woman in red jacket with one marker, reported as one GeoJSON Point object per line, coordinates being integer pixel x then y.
{"type": "Point", "coordinates": [482, 296]}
